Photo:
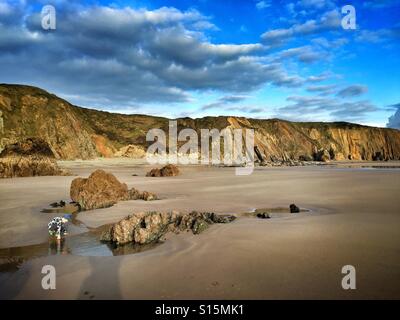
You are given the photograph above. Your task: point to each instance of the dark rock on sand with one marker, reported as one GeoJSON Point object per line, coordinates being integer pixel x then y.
{"type": "Point", "coordinates": [103, 190]}
{"type": "Point", "coordinates": [263, 215]}
{"type": "Point", "coordinates": [149, 227]}
{"type": "Point", "coordinates": [69, 208]}
{"type": "Point", "coordinates": [57, 204]}
{"type": "Point", "coordinates": [167, 171]}
{"type": "Point", "coordinates": [294, 208]}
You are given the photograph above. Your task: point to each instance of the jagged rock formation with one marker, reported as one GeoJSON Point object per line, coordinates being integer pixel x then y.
{"type": "Point", "coordinates": [29, 167]}
{"type": "Point", "coordinates": [28, 147]}
{"type": "Point", "coordinates": [102, 189]}
{"type": "Point", "coordinates": [28, 158]}
{"type": "Point", "coordinates": [169, 170]}
{"type": "Point", "coordinates": [78, 133]}
{"type": "Point", "coordinates": [145, 228]}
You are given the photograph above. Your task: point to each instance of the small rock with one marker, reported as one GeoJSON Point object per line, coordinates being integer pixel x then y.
{"type": "Point", "coordinates": [167, 171]}
{"type": "Point", "coordinates": [294, 208]}
{"type": "Point", "coordinates": [263, 215]}
{"type": "Point", "coordinates": [58, 204]}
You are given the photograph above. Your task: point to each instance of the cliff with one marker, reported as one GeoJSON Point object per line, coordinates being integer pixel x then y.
{"type": "Point", "coordinates": [78, 133]}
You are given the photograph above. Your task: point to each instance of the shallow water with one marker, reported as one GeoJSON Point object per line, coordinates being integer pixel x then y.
{"type": "Point", "coordinates": [89, 244]}
{"type": "Point", "coordinates": [85, 244]}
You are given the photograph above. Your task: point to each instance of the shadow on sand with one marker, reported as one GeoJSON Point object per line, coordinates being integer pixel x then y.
{"type": "Point", "coordinates": [103, 281]}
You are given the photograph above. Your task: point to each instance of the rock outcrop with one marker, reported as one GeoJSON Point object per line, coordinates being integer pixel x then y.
{"type": "Point", "coordinates": [264, 215]}
{"type": "Point", "coordinates": [28, 147]}
{"type": "Point", "coordinates": [28, 158]}
{"type": "Point", "coordinates": [169, 170]}
{"type": "Point", "coordinates": [322, 155]}
{"type": "Point", "coordinates": [29, 167]}
{"type": "Point", "coordinates": [102, 190]}
{"type": "Point", "coordinates": [149, 227]}
{"type": "Point", "coordinates": [131, 151]}
{"type": "Point", "coordinates": [78, 133]}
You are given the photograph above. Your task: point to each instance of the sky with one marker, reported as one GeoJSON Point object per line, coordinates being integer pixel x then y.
{"type": "Point", "coordinates": [290, 59]}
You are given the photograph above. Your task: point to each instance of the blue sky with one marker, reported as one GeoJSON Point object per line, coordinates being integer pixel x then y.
{"type": "Point", "coordinates": [262, 59]}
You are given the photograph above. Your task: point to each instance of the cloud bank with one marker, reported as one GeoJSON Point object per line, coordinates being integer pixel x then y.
{"type": "Point", "coordinates": [128, 56]}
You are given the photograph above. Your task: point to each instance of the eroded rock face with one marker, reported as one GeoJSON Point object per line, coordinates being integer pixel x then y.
{"type": "Point", "coordinates": [28, 147]}
{"type": "Point", "coordinates": [322, 155]}
{"type": "Point", "coordinates": [29, 166]}
{"type": "Point", "coordinates": [28, 158]}
{"type": "Point", "coordinates": [149, 227]}
{"type": "Point", "coordinates": [102, 190]}
{"type": "Point", "coordinates": [80, 133]}
{"type": "Point", "coordinates": [167, 171]}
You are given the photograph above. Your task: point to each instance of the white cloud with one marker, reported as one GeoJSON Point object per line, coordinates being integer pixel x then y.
{"type": "Point", "coordinates": [323, 89]}
{"type": "Point", "coordinates": [377, 36]}
{"type": "Point", "coordinates": [327, 22]}
{"type": "Point", "coordinates": [260, 5]}
{"type": "Point", "coordinates": [313, 107]}
{"type": "Point", "coordinates": [394, 120]}
{"type": "Point", "coordinates": [352, 91]}
{"type": "Point", "coordinates": [306, 54]}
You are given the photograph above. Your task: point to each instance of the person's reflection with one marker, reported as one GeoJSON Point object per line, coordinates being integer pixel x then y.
{"type": "Point", "coordinates": [57, 247]}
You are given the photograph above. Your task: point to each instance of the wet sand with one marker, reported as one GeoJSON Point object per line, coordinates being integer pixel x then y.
{"type": "Point", "coordinates": [354, 219]}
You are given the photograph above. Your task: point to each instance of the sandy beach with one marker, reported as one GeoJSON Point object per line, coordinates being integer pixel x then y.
{"type": "Point", "coordinates": [353, 219]}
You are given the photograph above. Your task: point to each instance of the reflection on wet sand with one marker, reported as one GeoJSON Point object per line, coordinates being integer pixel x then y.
{"type": "Point", "coordinates": [12, 258]}
{"type": "Point", "coordinates": [86, 244]}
